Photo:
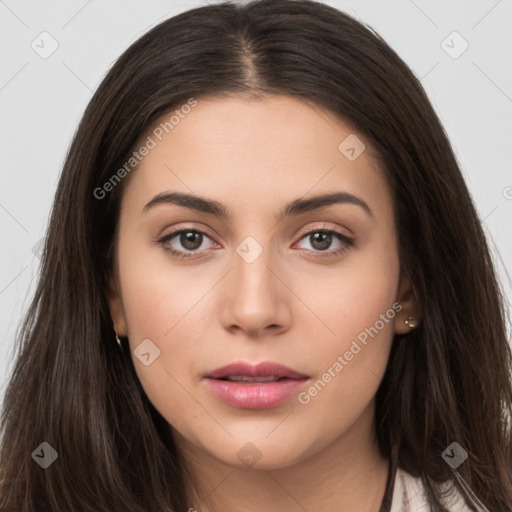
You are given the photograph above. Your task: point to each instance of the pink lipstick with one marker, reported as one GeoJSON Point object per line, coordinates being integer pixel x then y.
{"type": "Point", "coordinates": [263, 386]}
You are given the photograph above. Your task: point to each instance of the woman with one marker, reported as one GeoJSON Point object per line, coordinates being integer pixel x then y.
{"type": "Point", "coordinates": [263, 210]}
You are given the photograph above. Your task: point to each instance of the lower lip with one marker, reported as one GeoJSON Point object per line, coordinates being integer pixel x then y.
{"type": "Point", "coordinates": [255, 395]}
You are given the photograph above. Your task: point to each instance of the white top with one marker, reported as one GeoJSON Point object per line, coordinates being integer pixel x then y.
{"type": "Point", "coordinates": [409, 496]}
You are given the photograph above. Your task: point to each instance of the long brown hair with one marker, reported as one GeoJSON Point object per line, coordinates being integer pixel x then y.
{"type": "Point", "coordinates": [449, 380]}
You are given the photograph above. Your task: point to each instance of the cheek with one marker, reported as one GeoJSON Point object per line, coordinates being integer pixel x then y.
{"type": "Point", "coordinates": [158, 295]}
{"type": "Point", "coordinates": [165, 305]}
{"type": "Point", "coordinates": [359, 306]}
{"type": "Point", "coordinates": [351, 299]}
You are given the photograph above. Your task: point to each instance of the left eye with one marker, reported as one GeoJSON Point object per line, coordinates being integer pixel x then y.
{"type": "Point", "coordinates": [321, 240]}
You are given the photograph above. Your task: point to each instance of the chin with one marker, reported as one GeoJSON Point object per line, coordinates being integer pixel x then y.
{"type": "Point", "coordinates": [260, 452]}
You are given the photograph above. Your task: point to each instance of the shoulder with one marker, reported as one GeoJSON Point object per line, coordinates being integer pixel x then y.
{"type": "Point", "coordinates": [409, 495]}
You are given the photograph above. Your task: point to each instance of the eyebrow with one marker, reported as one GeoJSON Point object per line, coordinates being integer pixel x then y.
{"type": "Point", "coordinates": [293, 208]}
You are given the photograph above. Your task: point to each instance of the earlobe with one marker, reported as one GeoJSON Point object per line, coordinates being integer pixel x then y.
{"type": "Point", "coordinates": [409, 316]}
{"type": "Point", "coordinates": [116, 308]}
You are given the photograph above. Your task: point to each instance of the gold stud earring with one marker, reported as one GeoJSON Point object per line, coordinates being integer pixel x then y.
{"type": "Point", "coordinates": [411, 322]}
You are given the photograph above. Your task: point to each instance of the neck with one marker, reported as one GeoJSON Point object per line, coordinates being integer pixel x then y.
{"type": "Point", "coordinates": [348, 474]}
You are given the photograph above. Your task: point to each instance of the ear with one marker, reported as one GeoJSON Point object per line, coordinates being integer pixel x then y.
{"type": "Point", "coordinates": [410, 307]}
{"type": "Point", "coordinates": [116, 307]}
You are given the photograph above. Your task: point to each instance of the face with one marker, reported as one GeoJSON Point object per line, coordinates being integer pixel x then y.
{"type": "Point", "coordinates": [227, 254]}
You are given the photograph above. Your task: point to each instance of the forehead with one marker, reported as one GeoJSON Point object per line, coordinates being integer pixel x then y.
{"type": "Point", "coordinates": [240, 150]}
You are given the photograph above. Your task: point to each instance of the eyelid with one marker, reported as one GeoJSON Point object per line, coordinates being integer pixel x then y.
{"type": "Point", "coordinates": [180, 228]}
{"type": "Point", "coordinates": [325, 227]}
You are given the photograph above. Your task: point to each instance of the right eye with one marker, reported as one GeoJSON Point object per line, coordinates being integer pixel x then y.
{"type": "Point", "coordinates": [190, 241]}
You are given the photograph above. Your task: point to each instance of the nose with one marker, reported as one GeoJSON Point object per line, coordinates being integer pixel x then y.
{"type": "Point", "coordinates": [256, 298]}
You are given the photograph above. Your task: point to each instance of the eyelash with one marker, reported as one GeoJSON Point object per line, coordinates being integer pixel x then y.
{"type": "Point", "coordinates": [345, 240]}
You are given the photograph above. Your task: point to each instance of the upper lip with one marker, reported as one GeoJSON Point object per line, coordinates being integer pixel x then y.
{"type": "Point", "coordinates": [265, 369]}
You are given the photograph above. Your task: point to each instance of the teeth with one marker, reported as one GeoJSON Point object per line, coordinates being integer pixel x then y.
{"type": "Point", "coordinates": [244, 378]}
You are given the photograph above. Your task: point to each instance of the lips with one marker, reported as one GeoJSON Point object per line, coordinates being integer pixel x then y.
{"type": "Point", "coordinates": [263, 386]}
{"type": "Point", "coordinates": [265, 370]}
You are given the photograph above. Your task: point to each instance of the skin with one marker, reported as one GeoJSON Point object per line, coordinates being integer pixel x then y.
{"type": "Point", "coordinates": [294, 304]}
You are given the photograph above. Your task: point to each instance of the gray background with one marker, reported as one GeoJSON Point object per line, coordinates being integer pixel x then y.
{"type": "Point", "coordinates": [42, 100]}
